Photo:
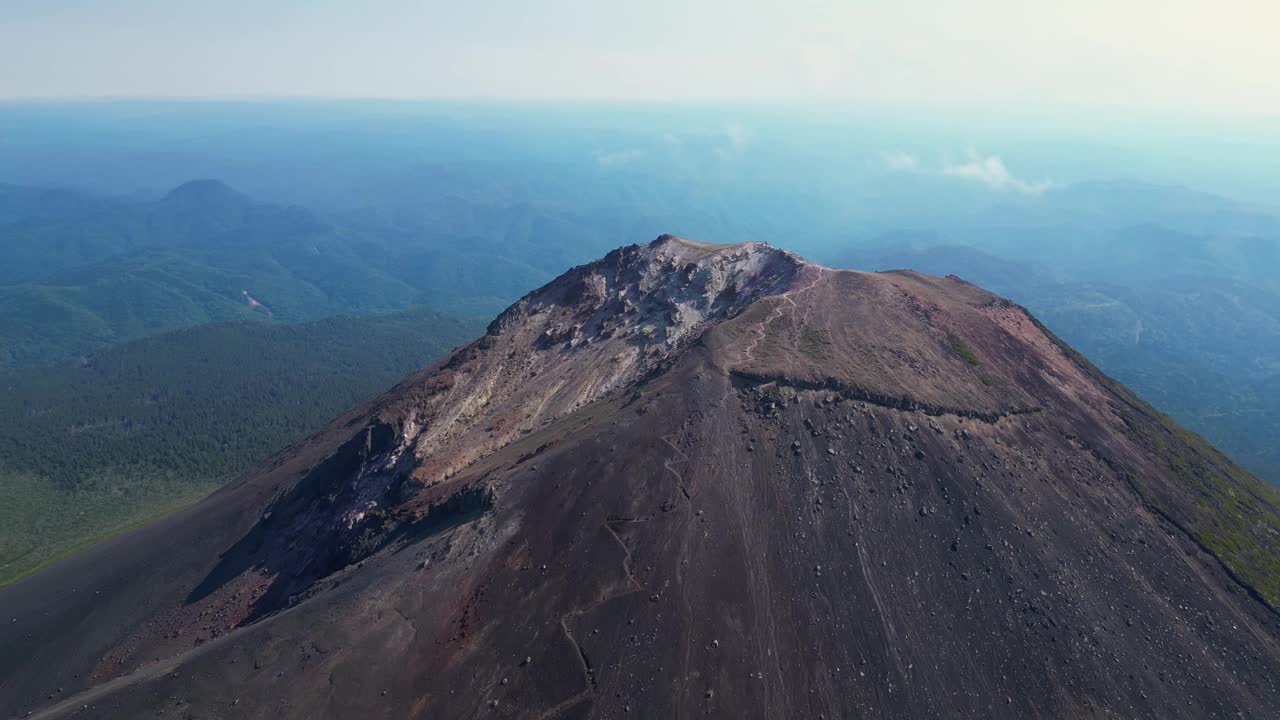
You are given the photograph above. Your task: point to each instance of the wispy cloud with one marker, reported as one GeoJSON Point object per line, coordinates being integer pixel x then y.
{"type": "Point", "coordinates": [739, 136]}
{"type": "Point", "coordinates": [899, 161]}
{"type": "Point", "coordinates": [618, 158]}
{"type": "Point", "coordinates": [989, 170]}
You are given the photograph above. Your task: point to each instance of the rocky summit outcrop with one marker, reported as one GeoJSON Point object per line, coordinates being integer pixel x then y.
{"type": "Point", "coordinates": [696, 480]}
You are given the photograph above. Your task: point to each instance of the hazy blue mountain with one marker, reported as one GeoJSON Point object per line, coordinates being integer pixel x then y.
{"type": "Point", "coordinates": [19, 203]}
{"type": "Point", "coordinates": [116, 270]}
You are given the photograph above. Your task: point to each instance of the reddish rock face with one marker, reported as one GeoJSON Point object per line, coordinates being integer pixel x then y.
{"type": "Point", "coordinates": [694, 479]}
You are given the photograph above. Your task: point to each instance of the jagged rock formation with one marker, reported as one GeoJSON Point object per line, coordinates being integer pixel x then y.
{"type": "Point", "coordinates": [692, 479]}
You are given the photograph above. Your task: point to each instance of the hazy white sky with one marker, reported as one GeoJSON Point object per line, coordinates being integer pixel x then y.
{"type": "Point", "coordinates": [1187, 55]}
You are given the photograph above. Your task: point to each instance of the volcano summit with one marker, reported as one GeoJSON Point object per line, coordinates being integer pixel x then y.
{"type": "Point", "coordinates": [696, 480]}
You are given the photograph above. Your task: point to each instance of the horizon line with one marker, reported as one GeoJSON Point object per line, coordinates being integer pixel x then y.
{"type": "Point", "coordinates": [761, 102]}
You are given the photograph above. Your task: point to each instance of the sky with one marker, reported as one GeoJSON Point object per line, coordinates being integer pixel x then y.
{"type": "Point", "coordinates": [1210, 56]}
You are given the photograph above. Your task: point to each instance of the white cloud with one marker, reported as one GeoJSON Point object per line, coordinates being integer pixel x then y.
{"type": "Point", "coordinates": [899, 161]}
{"type": "Point", "coordinates": [991, 170]}
{"type": "Point", "coordinates": [739, 136]}
{"type": "Point", "coordinates": [618, 158]}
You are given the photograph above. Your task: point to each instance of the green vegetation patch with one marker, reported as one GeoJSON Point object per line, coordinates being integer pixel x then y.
{"type": "Point", "coordinates": [1231, 513]}
{"type": "Point", "coordinates": [150, 425]}
{"type": "Point", "coordinates": [815, 343]}
{"type": "Point", "coordinates": [42, 522]}
{"type": "Point", "coordinates": [958, 347]}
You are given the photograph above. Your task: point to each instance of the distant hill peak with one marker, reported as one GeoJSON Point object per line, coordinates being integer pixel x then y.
{"type": "Point", "coordinates": [205, 190]}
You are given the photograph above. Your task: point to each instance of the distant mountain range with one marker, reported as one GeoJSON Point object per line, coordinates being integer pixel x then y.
{"type": "Point", "coordinates": [83, 272]}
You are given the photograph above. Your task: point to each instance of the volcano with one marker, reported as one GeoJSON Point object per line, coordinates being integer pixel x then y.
{"type": "Point", "coordinates": [694, 480]}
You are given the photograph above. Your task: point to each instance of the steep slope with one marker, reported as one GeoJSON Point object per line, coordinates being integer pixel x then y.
{"type": "Point", "coordinates": [1198, 336]}
{"type": "Point", "coordinates": [696, 480]}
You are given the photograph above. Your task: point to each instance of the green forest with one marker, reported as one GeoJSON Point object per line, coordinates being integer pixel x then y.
{"type": "Point", "coordinates": [80, 273]}
{"type": "Point", "coordinates": [147, 426]}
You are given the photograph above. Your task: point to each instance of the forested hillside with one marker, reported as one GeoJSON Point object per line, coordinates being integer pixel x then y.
{"type": "Point", "coordinates": [148, 425]}
{"type": "Point", "coordinates": [82, 272]}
